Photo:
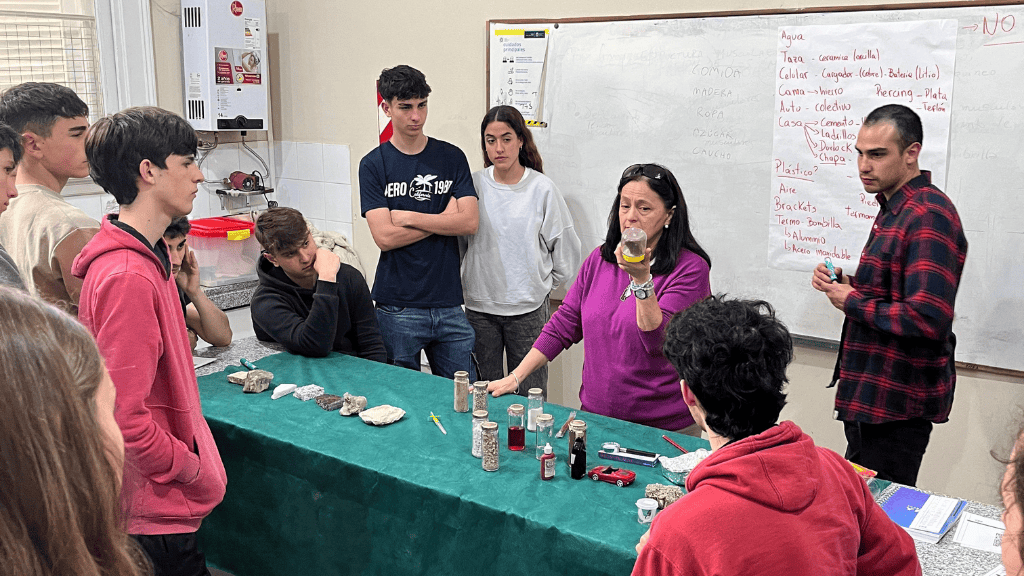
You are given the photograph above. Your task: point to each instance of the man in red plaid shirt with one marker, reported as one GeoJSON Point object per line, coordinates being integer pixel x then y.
{"type": "Point", "coordinates": [895, 369]}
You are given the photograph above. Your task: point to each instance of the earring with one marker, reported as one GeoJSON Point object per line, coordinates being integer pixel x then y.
{"type": "Point", "coordinates": [666, 226]}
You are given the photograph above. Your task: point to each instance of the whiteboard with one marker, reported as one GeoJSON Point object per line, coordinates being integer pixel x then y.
{"type": "Point", "coordinates": [697, 95]}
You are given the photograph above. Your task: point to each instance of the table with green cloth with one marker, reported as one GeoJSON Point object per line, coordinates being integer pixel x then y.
{"type": "Point", "coordinates": [313, 492]}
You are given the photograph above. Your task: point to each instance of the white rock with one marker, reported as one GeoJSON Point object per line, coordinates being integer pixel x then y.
{"type": "Point", "coordinates": [257, 381]}
{"type": "Point", "coordinates": [353, 405]}
{"type": "Point", "coordinates": [283, 390]}
{"type": "Point", "coordinates": [238, 377]}
{"type": "Point", "coordinates": [382, 415]}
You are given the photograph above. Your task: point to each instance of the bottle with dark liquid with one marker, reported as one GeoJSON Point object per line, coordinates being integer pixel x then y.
{"type": "Point", "coordinates": [578, 459]}
{"type": "Point", "coordinates": [516, 430]}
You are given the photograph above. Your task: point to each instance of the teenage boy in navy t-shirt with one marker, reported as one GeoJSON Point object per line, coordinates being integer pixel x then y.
{"type": "Point", "coordinates": [417, 196]}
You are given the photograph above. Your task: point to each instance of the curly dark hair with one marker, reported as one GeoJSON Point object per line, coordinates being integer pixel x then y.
{"type": "Point", "coordinates": [674, 240]}
{"type": "Point", "coordinates": [402, 82]}
{"type": "Point", "coordinates": [733, 356]}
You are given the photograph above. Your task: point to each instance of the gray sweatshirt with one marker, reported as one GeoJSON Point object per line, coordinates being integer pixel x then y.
{"type": "Point", "coordinates": [8, 271]}
{"type": "Point", "coordinates": [525, 246]}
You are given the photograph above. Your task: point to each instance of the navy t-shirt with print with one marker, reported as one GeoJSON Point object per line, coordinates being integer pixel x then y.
{"type": "Point", "coordinates": [424, 274]}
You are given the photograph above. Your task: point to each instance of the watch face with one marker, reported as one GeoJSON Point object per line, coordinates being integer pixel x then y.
{"type": "Point", "coordinates": [643, 293]}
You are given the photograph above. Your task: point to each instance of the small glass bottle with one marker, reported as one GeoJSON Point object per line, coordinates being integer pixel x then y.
{"type": "Point", "coordinates": [461, 391]}
{"type": "Point", "coordinates": [489, 431]}
{"type": "Point", "coordinates": [480, 395]}
{"type": "Point", "coordinates": [634, 244]}
{"type": "Point", "coordinates": [547, 464]}
{"type": "Point", "coordinates": [479, 417]}
{"type": "Point", "coordinates": [545, 425]}
{"type": "Point", "coordinates": [577, 429]}
{"type": "Point", "coordinates": [536, 399]}
{"type": "Point", "coordinates": [516, 431]}
{"type": "Point", "coordinates": [578, 459]}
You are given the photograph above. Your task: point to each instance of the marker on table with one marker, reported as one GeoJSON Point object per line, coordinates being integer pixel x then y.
{"type": "Point", "coordinates": [831, 269]}
{"type": "Point", "coordinates": [674, 444]}
{"type": "Point", "coordinates": [438, 422]}
{"type": "Point", "coordinates": [247, 364]}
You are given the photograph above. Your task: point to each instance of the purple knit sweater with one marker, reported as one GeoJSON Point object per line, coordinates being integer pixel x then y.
{"type": "Point", "coordinates": [625, 374]}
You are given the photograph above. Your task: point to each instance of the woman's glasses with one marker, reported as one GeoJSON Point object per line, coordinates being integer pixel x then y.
{"type": "Point", "coordinates": [652, 171]}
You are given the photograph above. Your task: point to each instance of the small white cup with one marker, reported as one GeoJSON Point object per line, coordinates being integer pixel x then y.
{"type": "Point", "coordinates": [646, 510]}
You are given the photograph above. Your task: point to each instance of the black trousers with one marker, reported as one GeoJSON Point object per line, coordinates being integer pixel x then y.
{"type": "Point", "coordinates": [174, 554]}
{"type": "Point", "coordinates": [893, 449]}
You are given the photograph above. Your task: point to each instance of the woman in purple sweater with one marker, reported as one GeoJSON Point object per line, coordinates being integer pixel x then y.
{"type": "Point", "coordinates": [620, 308]}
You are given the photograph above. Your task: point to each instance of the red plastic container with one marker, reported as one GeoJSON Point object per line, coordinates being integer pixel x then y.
{"type": "Point", "coordinates": [226, 250]}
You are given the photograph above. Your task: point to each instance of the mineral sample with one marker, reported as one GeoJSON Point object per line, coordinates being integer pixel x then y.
{"type": "Point", "coordinates": [238, 377]}
{"type": "Point", "coordinates": [382, 415]}
{"type": "Point", "coordinates": [663, 493]}
{"type": "Point", "coordinates": [352, 404]}
{"type": "Point", "coordinates": [257, 381]}
{"type": "Point", "coordinates": [329, 402]}
{"type": "Point", "coordinates": [282, 390]}
{"type": "Point", "coordinates": [309, 392]}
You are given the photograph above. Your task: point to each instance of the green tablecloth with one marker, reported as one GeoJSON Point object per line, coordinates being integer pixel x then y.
{"type": "Point", "coordinates": [312, 492]}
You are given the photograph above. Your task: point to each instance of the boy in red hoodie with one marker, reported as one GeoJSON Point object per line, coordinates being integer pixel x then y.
{"type": "Point", "coordinates": [767, 501]}
{"type": "Point", "coordinates": [173, 475]}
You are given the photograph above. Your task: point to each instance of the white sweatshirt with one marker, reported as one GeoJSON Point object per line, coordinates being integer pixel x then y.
{"type": "Point", "coordinates": [525, 246]}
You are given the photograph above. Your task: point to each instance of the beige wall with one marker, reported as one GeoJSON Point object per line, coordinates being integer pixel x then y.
{"type": "Point", "coordinates": [325, 58]}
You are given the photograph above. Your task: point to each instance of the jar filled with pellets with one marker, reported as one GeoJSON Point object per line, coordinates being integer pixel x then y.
{"type": "Point", "coordinates": [461, 381]}
{"type": "Point", "coordinates": [480, 395]}
{"type": "Point", "coordinates": [489, 431]}
{"type": "Point", "coordinates": [479, 417]}
{"type": "Point", "coordinates": [634, 244]}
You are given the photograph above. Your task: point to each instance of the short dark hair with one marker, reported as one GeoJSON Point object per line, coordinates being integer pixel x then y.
{"type": "Point", "coordinates": [733, 356]}
{"type": "Point", "coordinates": [529, 156]}
{"type": "Point", "coordinates": [178, 227]}
{"type": "Point", "coordinates": [36, 106]}
{"type": "Point", "coordinates": [11, 140]}
{"type": "Point", "coordinates": [677, 237]}
{"type": "Point", "coordinates": [905, 120]}
{"type": "Point", "coordinates": [402, 82]}
{"type": "Point", "coordinates": [281, 229]}
{"type": "Point", "coordinates": [116, 144]}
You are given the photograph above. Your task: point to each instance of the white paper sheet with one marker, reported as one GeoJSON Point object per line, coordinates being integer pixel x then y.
{"type": "Point", "coordinates": [828, 78]}
{"type": "Point", "coordinates": [517, 69]}
{"type": "Point", "coordinates": [979, 532]}
{"type": "Point", "coordinates": [934, 513]}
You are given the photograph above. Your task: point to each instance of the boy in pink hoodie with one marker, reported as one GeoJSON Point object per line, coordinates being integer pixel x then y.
{"type": "Point", "coordinates": [173, 475]}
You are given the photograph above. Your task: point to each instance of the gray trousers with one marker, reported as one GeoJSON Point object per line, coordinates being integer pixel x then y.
{"type": "Point", "coordinates": [510, 336]}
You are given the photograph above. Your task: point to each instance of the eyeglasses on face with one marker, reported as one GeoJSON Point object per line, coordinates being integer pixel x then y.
{"type": "Point", "coordinates": [652, 171]}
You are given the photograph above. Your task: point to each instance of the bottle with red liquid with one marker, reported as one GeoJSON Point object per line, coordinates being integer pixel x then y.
{"type": "Point", "coordinates": [547, 464]}
{"type": "Point", "coordinates": [516, 427]}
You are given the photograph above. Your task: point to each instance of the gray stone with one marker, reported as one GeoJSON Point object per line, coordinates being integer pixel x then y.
{"type": "Point", "coordinates": [382, 415]}
{"type": "Point", "coordinates": [663, 493]}
{"type": "Point", "coordinates": [238, 377]}
{"type": "Point", "coordinates": [352, 405]}
{"type": "Point", "coordinates": [257, 381]}
{"type": "Point", "coordinates": [308, 392]}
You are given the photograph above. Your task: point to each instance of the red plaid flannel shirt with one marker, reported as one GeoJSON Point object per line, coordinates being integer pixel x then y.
{"type": "Point", "coordinates": [896, 357]}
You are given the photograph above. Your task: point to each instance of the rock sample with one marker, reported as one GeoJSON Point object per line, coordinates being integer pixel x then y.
{"type": "Point", "coordinates": [238, 377]}
{"type": "Point", "coordinates": [382, 415]}
{"type": "Point", "coordinates": [663, 493]}
{"type": "Point", "coordinates": [329, 402]}
{"type": "Point", "coordinates": [257, 381]}
{"type": "Point", "coordinates": [282, 390]}
{"type": "Point", "coordinates": [352, 405]}
{"type": "Point", "coordinates": [309, 392]}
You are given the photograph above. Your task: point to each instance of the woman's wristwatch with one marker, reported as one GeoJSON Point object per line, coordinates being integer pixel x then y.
{"type": "Point", "coordinates": [642, 291]}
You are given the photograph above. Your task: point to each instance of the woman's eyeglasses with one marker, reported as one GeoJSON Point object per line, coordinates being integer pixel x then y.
{"type": "Point", "coordinates": [652, 171]}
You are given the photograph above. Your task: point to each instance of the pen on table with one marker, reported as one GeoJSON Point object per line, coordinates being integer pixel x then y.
{"type": "Point", "coordinates": [831, 269]}
{"type": "Point", "coordinates": [438, 422]}
{"type": "Point", "coordinates": [673, 443]}
{"type": "Point", "coordinates": [639, 452]}
{"type": "Point", "coordinates": [565, 426]}
{"type": "Point", "coordinates": [247, 364]}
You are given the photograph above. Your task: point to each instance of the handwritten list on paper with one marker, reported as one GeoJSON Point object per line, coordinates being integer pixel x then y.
{"type": "Point", "coordinates": [828, 78]}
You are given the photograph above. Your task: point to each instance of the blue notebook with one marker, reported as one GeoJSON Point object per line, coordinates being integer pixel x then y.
{"type": "Point", "coordinates": [905, 504]}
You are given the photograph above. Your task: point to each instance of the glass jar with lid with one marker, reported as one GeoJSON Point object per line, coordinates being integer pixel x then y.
{"type": "Point", "coordinates": [516, 430]}
{"type": "Point", "coordinates": [479, 417]}
{"type": "Point", "coordinates": [461, 382]}
{"type": "Point", "coordinates": [489, 431]}
{"type": "Point", "coordinates": [536, 401]}
{"type": "Point", "coordinates": [480, 395]}
{"type": "Point", "coordinates": [545, 426]}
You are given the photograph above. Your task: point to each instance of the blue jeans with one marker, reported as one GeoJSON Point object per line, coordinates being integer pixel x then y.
{"type": "Point", "coordinates": [443, 333]}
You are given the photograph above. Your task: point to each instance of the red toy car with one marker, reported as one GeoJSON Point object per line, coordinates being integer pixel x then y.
{"type": "Point", "coordinates": [618, 476]}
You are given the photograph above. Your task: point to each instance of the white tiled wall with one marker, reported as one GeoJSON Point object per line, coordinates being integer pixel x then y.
{"type": "Point", "coordinates": [316, 179]}
{"type": "Point", "coordinates": [313, 178]}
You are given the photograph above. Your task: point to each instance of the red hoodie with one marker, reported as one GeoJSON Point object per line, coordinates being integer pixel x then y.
{"type": "Point", "coordinates": [173, 474]}
{"type": "Point", "coordinates": [776, 504]}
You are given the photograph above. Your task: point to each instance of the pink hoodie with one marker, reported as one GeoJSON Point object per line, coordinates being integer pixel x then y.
{"type": "Point", "coordinates": [173, 475]}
